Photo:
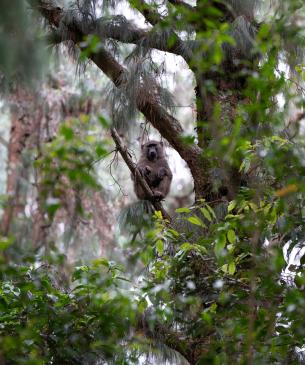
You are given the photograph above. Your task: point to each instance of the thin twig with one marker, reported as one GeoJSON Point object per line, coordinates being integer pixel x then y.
{"type": "Point", "coordinates": [115, 160]}
{"type": "Point", "coordinates": [134, 170]}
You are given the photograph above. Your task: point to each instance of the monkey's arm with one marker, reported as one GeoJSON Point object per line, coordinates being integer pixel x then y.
{"type": "Point", "coordinates": [165, 175]}
{"type": "Point", "coordinates": [144, 171]}
{"type": "Point", "coordinates": [164, 171]}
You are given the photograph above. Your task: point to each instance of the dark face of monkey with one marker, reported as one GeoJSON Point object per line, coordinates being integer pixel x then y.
{"type": "Point", "coordinates": [153, 150]}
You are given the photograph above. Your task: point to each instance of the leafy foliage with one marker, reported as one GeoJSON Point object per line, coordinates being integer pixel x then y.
{"type": "Point", "coordinates": [42, 322]}
{"type": "Point", "coordinates": [224, 281]}
{"type": "Point", "coordinates": [67, 161]}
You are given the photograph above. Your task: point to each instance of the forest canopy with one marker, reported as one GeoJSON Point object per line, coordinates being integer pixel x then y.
{"type": "Point", "coordinates": [93, 272]}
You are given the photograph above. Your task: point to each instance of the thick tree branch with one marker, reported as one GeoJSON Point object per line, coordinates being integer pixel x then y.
{"type": "Point", "coordinates": [136, 173]}
{"type": "Point", "coordinates": [151, 16]}
{"type": "Point", "coordinates": [173, 43]}
{"type": "Point", "coordinates": [147, 104]}
{"type": "Point", "coordinates": [120, 29]}
{"type": "Point", "coordinates": [166, 124]}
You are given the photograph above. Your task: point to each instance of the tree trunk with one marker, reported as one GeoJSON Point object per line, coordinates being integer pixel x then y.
{"type": "Point", "coordinates": [22, 125]}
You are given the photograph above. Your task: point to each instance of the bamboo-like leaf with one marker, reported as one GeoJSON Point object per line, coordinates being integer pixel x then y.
{"type": "Point", "coordinates": [160, 247]}
{"type": "Point", "coordinates": [232, 268]}
{"type": "Point", "coordinates": [196, 220]}
{"type": "Point", "coordinates": [206, 214]}
{"type": "Point", "coordinates": [183, 210]}
{"type": "Point", "coordinates": [231, 236]}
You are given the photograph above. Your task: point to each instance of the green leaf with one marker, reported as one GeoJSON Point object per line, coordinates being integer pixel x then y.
{"type": "Point", "coordinates": [264, 31]}
{"type": "Point", "coordinates": [253, 206]}
{"type": "Point", "coordinates": [87, 179]}
{"type": "Point", "coordinates": [206, 214]}
{"type": "Point", "coordinates": [100, 150]}
{"type": "Point", "coordinates": [101, 261]}
{"type": "Point", "coordinates": [224, 268]}
{"type": "Point", "coordinates": [104, 122]}
{"type": "Point", "coordinates": [147, 255]}
{"type": "Point", "coordinates": [267, 207]}
{"type": "Point", "coordinates": [232, 205]}
{"type": "Point", "coordinates": [220, 245]}
{"type": "Point", "coordinates": [211, 211]}
{"type": "Point", "coordinates": [232, 268]}
{"type": "Point", "coordinates": [183, 210]}
{"type": "Point", "coordinates": [67, 132]}
{"type": "Point", "coordinates": [213, 308]}
{"type": "Point", "coordinates": [5, 242]}
{"type": "Point", "coordinates": [206, 316]}
{"type": "Point", "coordinates": [231, 236]}
{"type": "Point", "coordinates": [200, 249]}
{"type": "Point", "coordinates": [160, 247]}
{"type": "Point", "coordinates": [186, 246]}
{"type": "Point", "coordinates": [196, 220]}
{"type": "Point", "coordinates": [83, 268]}
{"type": "Point", "coordinates": [158, 214]}
{"type": "Point", "coordinates": [173, 232]}
{"type": "Point", "coordinates": [299, 68]}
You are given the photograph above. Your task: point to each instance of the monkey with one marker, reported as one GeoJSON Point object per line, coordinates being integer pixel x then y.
{"type": "Point", "coordinates": [154, 168]}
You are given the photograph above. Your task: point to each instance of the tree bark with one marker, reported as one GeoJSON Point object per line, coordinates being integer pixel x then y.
{"type": "Point", "coordinates": [22, 126]}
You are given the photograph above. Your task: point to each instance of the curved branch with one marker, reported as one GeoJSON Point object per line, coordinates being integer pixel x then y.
{"type": "Point", "coordinates": [136, 173]}
{"type": "Point", "coordinates": [117, 28]}
{"type": "Point", "coordinates": [166, 124]}
{"type": "Point", "coordinates": [148, 104]}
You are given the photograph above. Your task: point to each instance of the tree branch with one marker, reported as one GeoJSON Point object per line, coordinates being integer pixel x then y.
{"type": "Point", "coordinates": [165, 123]}
{"type": "Point", "coordinates": [151, 16]}
{"type": "Point", "coordinates": [120, 29]}
{"type": "Point", "coordinates": [174, 44]}
{"type": "Point", "coordinates": [136, 173]}
{"type": "Point", "coordinates": [147, 103]}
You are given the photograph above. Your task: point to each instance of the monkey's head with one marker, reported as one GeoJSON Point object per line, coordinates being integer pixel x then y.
{"type": "Point", "coordinates": [153, 150]}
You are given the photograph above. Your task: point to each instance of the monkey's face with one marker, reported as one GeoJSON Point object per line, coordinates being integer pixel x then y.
{"type": "Point", "coordinates": [153, 150]}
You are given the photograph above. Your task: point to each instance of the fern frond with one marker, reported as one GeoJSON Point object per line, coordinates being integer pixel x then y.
{"type": "Point", "coordinates": [243, 33]}
{"type": "Point", "coordinates": [136, 216]}
{"type": "Point", "coordinates": [123, 109]}
{"type": "Point", "coordinates": [244, 7]}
